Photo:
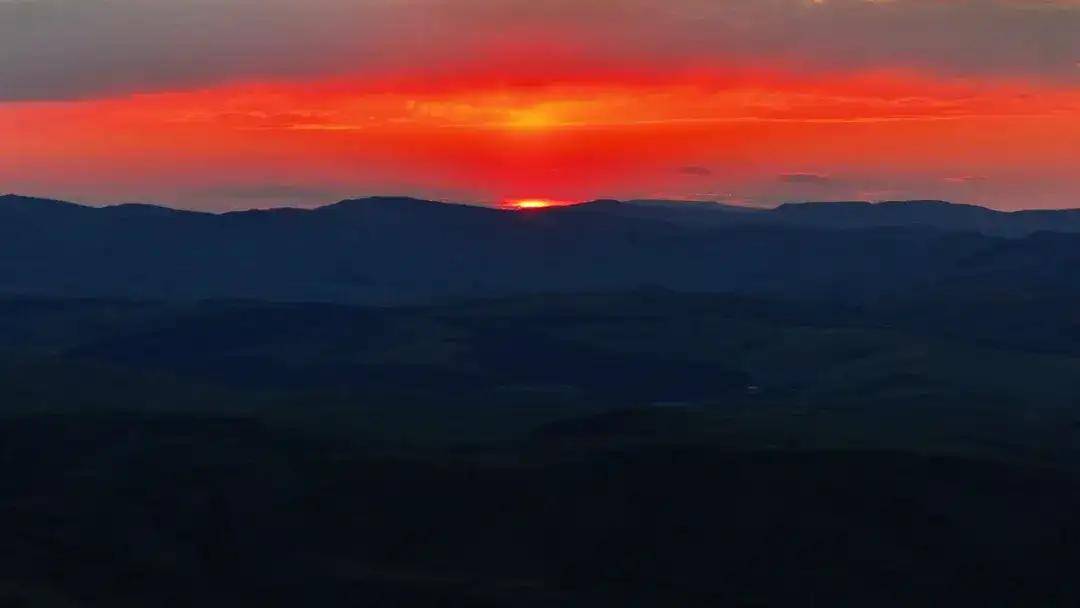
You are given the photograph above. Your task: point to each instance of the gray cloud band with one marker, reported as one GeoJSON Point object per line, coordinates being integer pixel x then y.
{"type": "Point", "coordinates": [57, 49]}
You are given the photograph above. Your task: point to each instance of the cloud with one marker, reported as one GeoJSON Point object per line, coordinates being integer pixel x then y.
{"type": "Point", "coordinates": [55, 49]}
{"type": "Point", "coordinates": [966, 179]}
{"type": "Point", "coordinates": [806, 178]}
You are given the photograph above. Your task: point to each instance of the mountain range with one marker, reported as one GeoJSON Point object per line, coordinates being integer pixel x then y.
{"type": "Point", "coordinates": [847, 215]}
{"type": "Point", "coordinates": [233, 409]}
{"type": "Point", "coordinates": [388, 250]}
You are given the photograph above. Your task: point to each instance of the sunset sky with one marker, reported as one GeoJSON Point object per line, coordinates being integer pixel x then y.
{"type": "Point", "coordinates": [225, 104]}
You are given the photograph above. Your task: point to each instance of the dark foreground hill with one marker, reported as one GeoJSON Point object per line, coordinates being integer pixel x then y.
{"type": "Point", "coordinates": [393, 250]}
{"type": "Point", "coordinates": [746, 372]}
{"type": "Point", "coordinates": [126, 511]}
{"type": "Point", "coordinates": [646, 449]}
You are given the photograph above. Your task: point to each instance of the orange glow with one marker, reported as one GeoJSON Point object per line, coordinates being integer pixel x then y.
{"type": "Point", "coordinates": [883, 135]}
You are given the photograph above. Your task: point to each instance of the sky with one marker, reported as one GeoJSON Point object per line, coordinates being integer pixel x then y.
{"type": "Point", "coordinates": [229, 104]}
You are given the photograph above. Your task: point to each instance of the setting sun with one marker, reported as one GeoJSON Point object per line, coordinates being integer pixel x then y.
{"type": "Point", "coordinates": [531, 203]}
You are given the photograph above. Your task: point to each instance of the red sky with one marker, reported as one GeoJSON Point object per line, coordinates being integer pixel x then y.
{"type": "Point", "coordinates": [483, 101]}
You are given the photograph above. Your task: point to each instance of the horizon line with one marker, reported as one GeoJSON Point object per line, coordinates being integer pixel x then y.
{"type": "Point", "coordinates": [507, 206]}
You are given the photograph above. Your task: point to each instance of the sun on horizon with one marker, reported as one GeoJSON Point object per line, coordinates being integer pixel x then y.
{"type": "Point", "coordinates": [532, 203]}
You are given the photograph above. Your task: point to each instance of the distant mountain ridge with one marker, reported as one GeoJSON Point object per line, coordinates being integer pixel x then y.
{"type": "Point", "coordinates": [940, 215]}
{"type": "Point", "coordinates": [848, 215]}
{"type": "Point", "coordinates": [398, 249]}
{"type": "Point", "coordinates": [834, 215]}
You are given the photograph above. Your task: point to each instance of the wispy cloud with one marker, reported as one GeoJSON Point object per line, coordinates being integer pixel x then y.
{"type": "Point", "coordinates": [806, 178]}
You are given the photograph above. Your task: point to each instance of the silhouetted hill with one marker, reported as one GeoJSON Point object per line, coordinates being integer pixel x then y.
{"type": "Point", "coordinates": [188, 510]}
{"type": "Point", "coordinates": [939, 215]}
{"type": "Point", "coordinates": [848, 215]}
{"type": "Point", "coordinates": [696, 215]}
{"type": "Point", "coordinates": [15, 202]}
{"type": "Point", "coordinates": [392, 250]}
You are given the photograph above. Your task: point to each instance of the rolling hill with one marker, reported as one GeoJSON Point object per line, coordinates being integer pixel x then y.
{"type": "Point", "coordinates": [399, 250]}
